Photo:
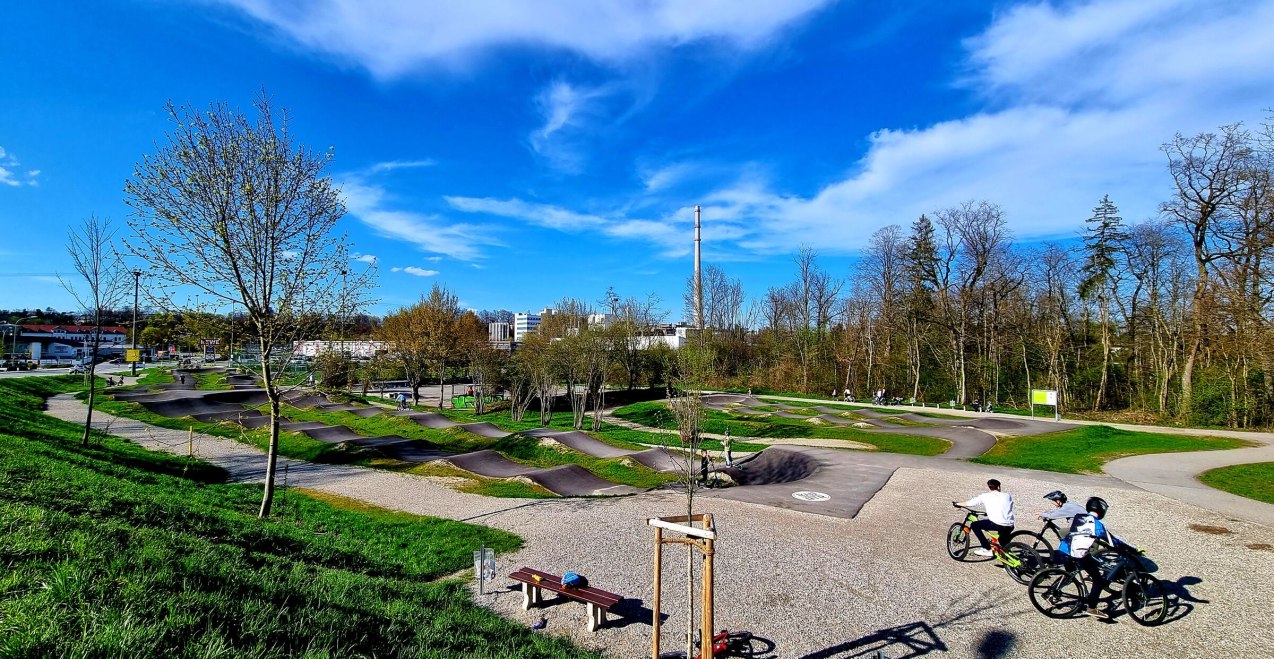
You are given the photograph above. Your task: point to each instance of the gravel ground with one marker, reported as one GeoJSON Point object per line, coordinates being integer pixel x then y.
{"type": "Point", "coordinates": [824, 587]}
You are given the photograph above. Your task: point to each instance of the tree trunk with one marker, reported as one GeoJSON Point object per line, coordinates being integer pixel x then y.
{"type": "Point", "coordinates": [272, 452]}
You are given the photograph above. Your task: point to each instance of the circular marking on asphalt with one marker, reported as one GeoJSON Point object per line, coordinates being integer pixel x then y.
{"type": "Point", "coordinates": [806, 495]}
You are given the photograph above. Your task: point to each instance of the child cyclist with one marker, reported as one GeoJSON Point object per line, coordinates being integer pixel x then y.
{"type": "Point", "coordinates": [1086, 529]}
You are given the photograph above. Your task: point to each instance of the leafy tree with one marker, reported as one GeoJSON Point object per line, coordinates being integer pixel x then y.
{"type": "Point", "coordinates": [1103, 244]}
{"type": "Point", "coordinates": [234, 209]}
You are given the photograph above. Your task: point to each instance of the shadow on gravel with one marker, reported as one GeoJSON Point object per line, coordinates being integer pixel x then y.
{"type": "Point", "coordinates": [631, 611]}
{"type": "Point", "coordinates": [902, 642]}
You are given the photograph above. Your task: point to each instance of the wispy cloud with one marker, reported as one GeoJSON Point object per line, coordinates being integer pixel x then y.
{"type": "Point", "coordinates": [413, 270]}
{"type": "Point", "coordinates": [400, 164]}
{"type": "Point", "coordinates": [391, 39]}
{"type": "Point", "coordinates": [11, 176]}
{"type": "Point", "coordinates": [429, 232]}
{"type": "Point", "coordinates": [364, 258]}
{"type": "Point", "coordinates": [669, 235]}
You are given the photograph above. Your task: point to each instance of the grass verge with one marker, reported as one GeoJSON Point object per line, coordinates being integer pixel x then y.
{"type": "Point", "coordinates": [116, 551]}
{"type": "Point", "coordinates": [1083, 450]}
{"type": "Point", "coordinates": [1254, 481]}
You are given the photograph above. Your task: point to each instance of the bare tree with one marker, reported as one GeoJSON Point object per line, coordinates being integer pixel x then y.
{"type": "Point", "coordinates": [105, 283]}
{"type": "Point", "coordinates": [234, 208]}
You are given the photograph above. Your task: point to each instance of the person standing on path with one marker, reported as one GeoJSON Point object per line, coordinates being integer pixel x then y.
{"type": "Point", "coordinates": [727, 444]}
{"type": "Point", "coordinates": [999, 515]}
{"type": "Point", "coordinates": [703, 466]}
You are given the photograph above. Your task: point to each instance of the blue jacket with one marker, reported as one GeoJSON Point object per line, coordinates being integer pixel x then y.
{"type": "Point", "coordinates": [1085, 530]}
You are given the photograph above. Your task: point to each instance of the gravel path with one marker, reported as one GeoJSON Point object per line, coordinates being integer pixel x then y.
{"type": "Point", "coordinates": [823, 587]}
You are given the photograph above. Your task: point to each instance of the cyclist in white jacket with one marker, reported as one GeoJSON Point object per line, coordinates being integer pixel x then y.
{"type": "Point", "coordinates": [999, 515]}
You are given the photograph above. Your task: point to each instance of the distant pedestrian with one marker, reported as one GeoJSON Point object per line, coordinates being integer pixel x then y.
{"type": "Point", "coordinates": [704, 461]}
{"type": "Point", "coordinates": [728, 444]}
{"type": "Point", "coordinates": [402, 401]}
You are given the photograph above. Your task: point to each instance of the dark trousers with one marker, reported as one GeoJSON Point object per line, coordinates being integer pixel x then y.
{"type": "Point", "coordinates": [981, 526]}
{"type": "Point", "coordinates": [1098, 575]}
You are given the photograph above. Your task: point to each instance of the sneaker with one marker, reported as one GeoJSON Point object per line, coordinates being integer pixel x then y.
{"type": "Point", "coordinates": [1096, 613]}
{"type": "Point", "coordinates": [982, 552]}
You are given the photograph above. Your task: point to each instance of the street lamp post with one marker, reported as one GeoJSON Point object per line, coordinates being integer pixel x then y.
{"type": "Point", "coordinates": [137, 275]}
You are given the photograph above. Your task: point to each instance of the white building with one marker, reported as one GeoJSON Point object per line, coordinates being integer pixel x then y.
{"type": "Point", "coordinates": [523, 324]}
{"type": "Point", "coordinates": [499, 332]}
{"type": "Point", "coordinates": [355, 349]}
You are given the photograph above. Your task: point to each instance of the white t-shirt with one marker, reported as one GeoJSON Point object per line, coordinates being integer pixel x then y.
{"type": "Point", "coordinates": [999, 507]}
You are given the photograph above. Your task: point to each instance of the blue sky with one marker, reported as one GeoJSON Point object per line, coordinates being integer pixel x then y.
{"type": "Point", "coordinates": [519, 152]}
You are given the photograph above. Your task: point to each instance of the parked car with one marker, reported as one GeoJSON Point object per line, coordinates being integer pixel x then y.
{"type": "Point", "coordinates": [78, 369]}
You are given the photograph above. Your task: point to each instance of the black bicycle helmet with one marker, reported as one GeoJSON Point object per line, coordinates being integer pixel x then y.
{"type": "Point", "coordinates": [1097, 506]}
{"type": "Point", "coordinates": [1056, 495]}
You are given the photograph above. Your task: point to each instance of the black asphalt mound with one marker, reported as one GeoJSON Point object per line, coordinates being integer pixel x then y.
{"type": "Point", "coordinates": [303, 425]}
{"type": "Point", "coordinates": [333, 434]}
{"type": "Point", "coordinates": [300, 400]}
{"type": "Point", "coordinates": [965, 442]}
{"type": "Point", "coordinates": [367, 411]}
{"type": "Point", "coordinates": [432, 420]}
{"type": "Point", "coordinates": [839, 420]}
{"type": "Point", "coordinates": [773, 465]}
{"type": "Point", "coordinates": [255, 421]}
{"type": "Point", "coordinates": [410, 450]}
{"type": "Point", "coordinates": [581, 442]}
{"type": "Point", "coordinates": [238, 397]}
{"type": "Point", "coordinates": [658, 459]}
{"type": "Point", "coordinates": [790, 415]}
{"type": "Point", "coordinates": [484, 429]}
{"type": "Point", "coordinates": [575, 481]}
{"type": "Point", "coordinates": [230, 415]}
{"type": "Point", "coordinates": [488, 463]}
{"type": "Point", "coordinates": [337, 407]}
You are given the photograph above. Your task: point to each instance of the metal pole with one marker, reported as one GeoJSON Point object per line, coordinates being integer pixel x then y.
{"type": "Point", "coordinates": [698, 278]}
{"type": "Point", "coordinates": [137, 275]}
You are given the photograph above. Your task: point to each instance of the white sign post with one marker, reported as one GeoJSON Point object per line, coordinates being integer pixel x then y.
{"type": "Point", "coordinates": [1045, 397]}
{"type": "Point", "coordinates": [483, 567]}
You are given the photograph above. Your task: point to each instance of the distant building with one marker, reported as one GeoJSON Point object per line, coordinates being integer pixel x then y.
{"type": "Point", "coordinates": [499, 332]}
{"type": "Point", "coordinates": [602, 320]}
{"type": "Point", "coordinates": [673, 336]}
{"type": "Point", "coordinates": [523, 324]}
{"type": "Point", "coordinates": [62, 341]}
{"type": "Point", "coordinates": [355, 349]}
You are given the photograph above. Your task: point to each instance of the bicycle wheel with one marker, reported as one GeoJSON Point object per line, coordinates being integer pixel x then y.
{"type": "Point", "coordinates": [744, 644]}
{"type": "Point", "coordinates": [957, 541]}
{"type": "Point", "coordinates": [1057, 593]}
{"type": "Point", "coordinates": [1021, 562]}
{"type": "Point", "coordinates": [1038, 542]}
{"type": "Point", "coordinates": [1145, 599]}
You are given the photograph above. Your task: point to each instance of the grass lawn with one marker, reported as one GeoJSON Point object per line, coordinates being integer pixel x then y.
{"type": "Point", "coordinates": [115, 551]}
{"type": "Point", "coordinates": [214, 381]}
{"type": "Point", "coordinates": [1083, 450]}
{"type": "Point", "coordinates": [656, 415]}
{"type": "Point", "coordinates": [155, 375]}
{"type": "Point", "coordinates": [1254, 481]}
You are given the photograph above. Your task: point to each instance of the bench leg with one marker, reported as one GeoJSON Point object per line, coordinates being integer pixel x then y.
{"type": "Point", "coordinates": [531, 595]}
{"type": "Point", "coordinates": [596, 617]}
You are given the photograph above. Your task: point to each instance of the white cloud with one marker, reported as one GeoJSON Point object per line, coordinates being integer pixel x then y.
{"type": "Point", "coordinates": [672, 235]}
{"type": "Point", "coordinates": [400, 164]}
{"type": "Point", "coordinates": [390, 39]}
{"type": "Point", "coordinates": [364, 258]}
{"type": "Point", "coordinates": [435, 259]}
{"type": "Point", "coordinates": [1080, 97]}
{"type": "Point", "coordinates": [428, 232]}
{"type": "Point", "coordinates": [543, 215]}
{"type": "Point", "coordinates": [9, 174]}
{"type": "Point", "coordinates": [413, 270]}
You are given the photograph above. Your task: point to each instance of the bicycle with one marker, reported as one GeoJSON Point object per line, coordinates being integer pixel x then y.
{"type": "Point", "coordinates": [1059, 592]}
{"type": "Point", "coordinates": [726, 643]}
{"type": "Point", "coordinates": [1019, 559]}
{"type": "Point", "coordinates": [1040, 541]}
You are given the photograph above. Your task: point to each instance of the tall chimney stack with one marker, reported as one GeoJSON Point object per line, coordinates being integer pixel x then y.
{"type": "Point", "coordinates": [698, 277]}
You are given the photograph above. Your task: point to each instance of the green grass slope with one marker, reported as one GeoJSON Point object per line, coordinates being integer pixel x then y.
{"type": "Point", "coordinates": [115, 551]}
{"type": "Point", "coordinates": [1254, 481]}
{"type": "Point", "coordinates": [1083, 450]}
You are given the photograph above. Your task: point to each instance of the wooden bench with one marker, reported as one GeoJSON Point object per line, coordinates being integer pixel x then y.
{"type": "Point", "coordinates": [597, 600]}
